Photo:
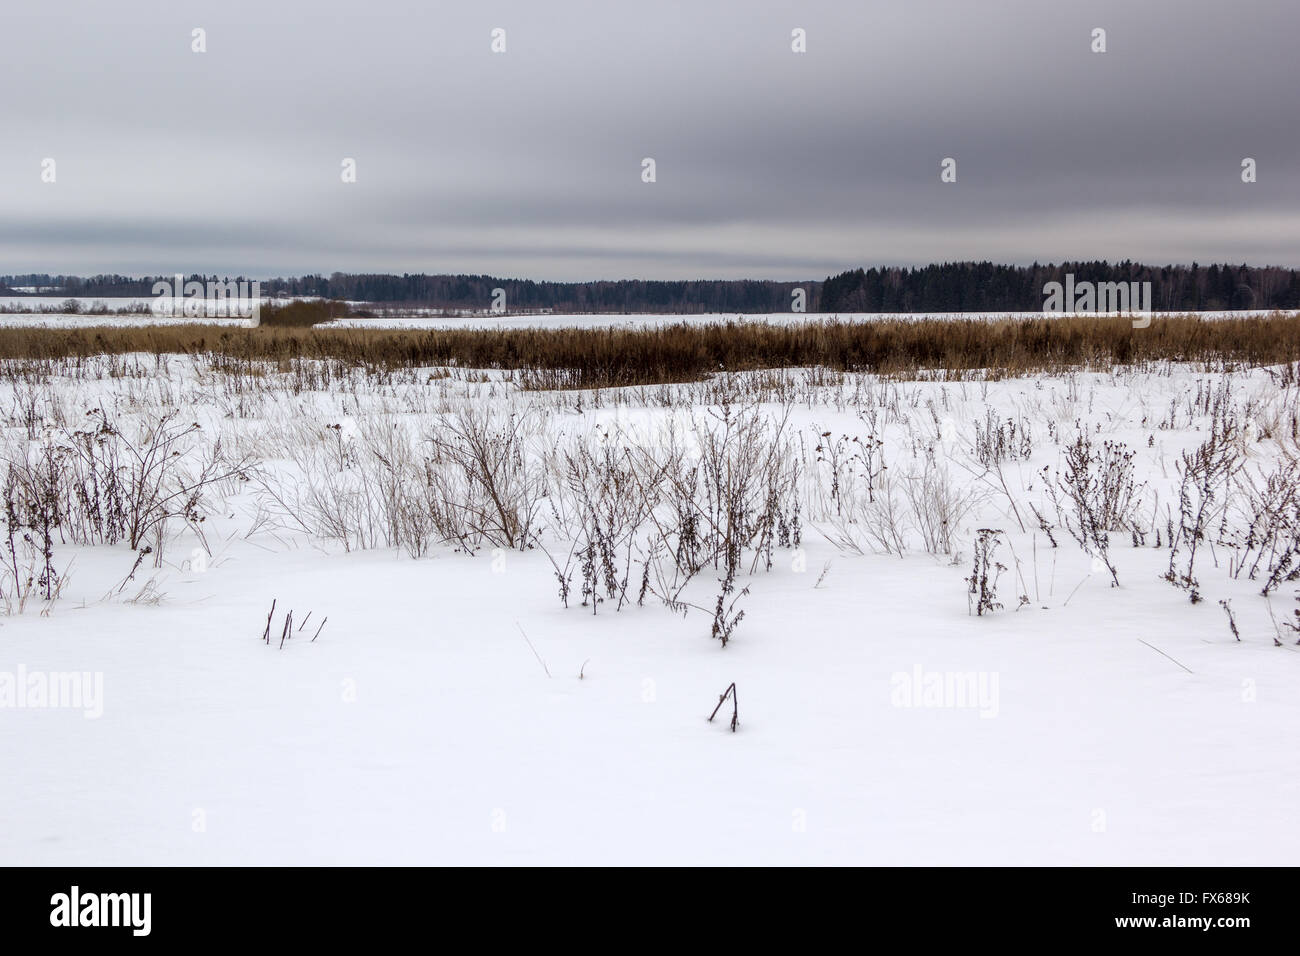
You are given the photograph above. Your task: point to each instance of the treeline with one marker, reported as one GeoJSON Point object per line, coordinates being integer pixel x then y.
{"type": "Point", "coordinates": [625, 295]}
{"type": "Point", "coordinates": [100, 286]}
{"type": "Point", "coordinates": [79, 286]}
{"type": "Point", "coordinates": [475, 292]}
{"type": "Point", "coordinates": [985, 287]}
{"type": "Point", "coordinates": [950, 287]}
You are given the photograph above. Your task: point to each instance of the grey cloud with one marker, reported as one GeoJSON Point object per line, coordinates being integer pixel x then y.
{"type": "Point", "coordinates": [769, 163]}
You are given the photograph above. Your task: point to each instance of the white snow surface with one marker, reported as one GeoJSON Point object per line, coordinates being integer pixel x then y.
{"type": "Point", "coordinates": [421, 728]}
{"type": "Point", "coordinates": [430, 319]}
{"type": "Point", "coordinates": [649, 320]}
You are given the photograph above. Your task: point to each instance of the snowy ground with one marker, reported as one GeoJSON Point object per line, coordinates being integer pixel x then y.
{"type": "Point", "coordinates": [50, 312]}
{"type": "Point", "coordinates": [708, 318]}
{"type": "Point", "coordinates": [421, 726]}
{"type": "Point", "coordinates": [428, 319]}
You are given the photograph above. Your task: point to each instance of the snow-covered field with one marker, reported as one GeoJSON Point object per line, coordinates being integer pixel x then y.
{"type": "Point", "coordinates": [592, 320]}
{"type": "Point", "coordinates": [430, 319]}
{"type": "Point", "coordinates": [453, 710]}
{"type": "Point", "coordinates": [52, 312]}
{"type": "Point", "coordinates": [41, 303]}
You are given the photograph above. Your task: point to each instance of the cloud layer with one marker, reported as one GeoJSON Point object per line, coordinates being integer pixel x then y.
{"type": "Point", "coordinates": [528, 163]}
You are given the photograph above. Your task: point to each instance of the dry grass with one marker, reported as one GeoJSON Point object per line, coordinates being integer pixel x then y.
{"type": "Point", "coordinates": [611, 357]}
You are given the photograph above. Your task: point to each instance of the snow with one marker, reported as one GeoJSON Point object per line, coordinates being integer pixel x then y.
{"type": "Point", "coordinates": [421, 728]}
{"type": "Point", "coordinates": [429, 319]}
{"type": "Point", "coordinates": [130, 311]}
{"type": "Point", "coordinates": [113, 303]}
{"type": "Point", "coordinates": [605, 320]}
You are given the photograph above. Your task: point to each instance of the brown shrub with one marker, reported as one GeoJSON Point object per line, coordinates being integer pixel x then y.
{"type": "Point", "coordinates": [302, 313]}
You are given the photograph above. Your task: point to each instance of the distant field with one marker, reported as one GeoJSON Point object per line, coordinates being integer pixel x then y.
{"type": "Point", "coordinates": [134, 312]}
{"type": "Point", "coordinates": [643, 320]}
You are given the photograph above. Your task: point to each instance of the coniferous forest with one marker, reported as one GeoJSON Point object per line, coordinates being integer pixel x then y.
{"type": "Point", "coordinates": [949, 287]}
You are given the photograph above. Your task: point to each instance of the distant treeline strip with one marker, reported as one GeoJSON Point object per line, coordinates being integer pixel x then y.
{"type": "Point", "coordinates": [950, 287]}
{"type": "Point", "coordinates": [985, 287]}
{"type": "Point", "coordinates": [607, 357]}
{"type": "Point", "coordinates": [473, 293]}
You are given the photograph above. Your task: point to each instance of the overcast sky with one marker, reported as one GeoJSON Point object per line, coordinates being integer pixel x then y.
{"type": "Point", "coordinates": [528, 163]}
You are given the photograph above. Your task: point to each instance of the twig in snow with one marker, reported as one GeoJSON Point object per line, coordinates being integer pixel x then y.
{"type": "Point", "coordinates": [534, 650]}
{"type": "Point", "coordinates": [266, 635]}
{"type": "Point", "coordinates": [1162, 653]}
{"type": "Point", "coordinates": [735, 705]}
{"type": "Point", "coordinates": [1076, 587]}
{"type": "Point", "coordinates": [1232, 621]}
{"type": "Point", "coordinates": [1277, 631]}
